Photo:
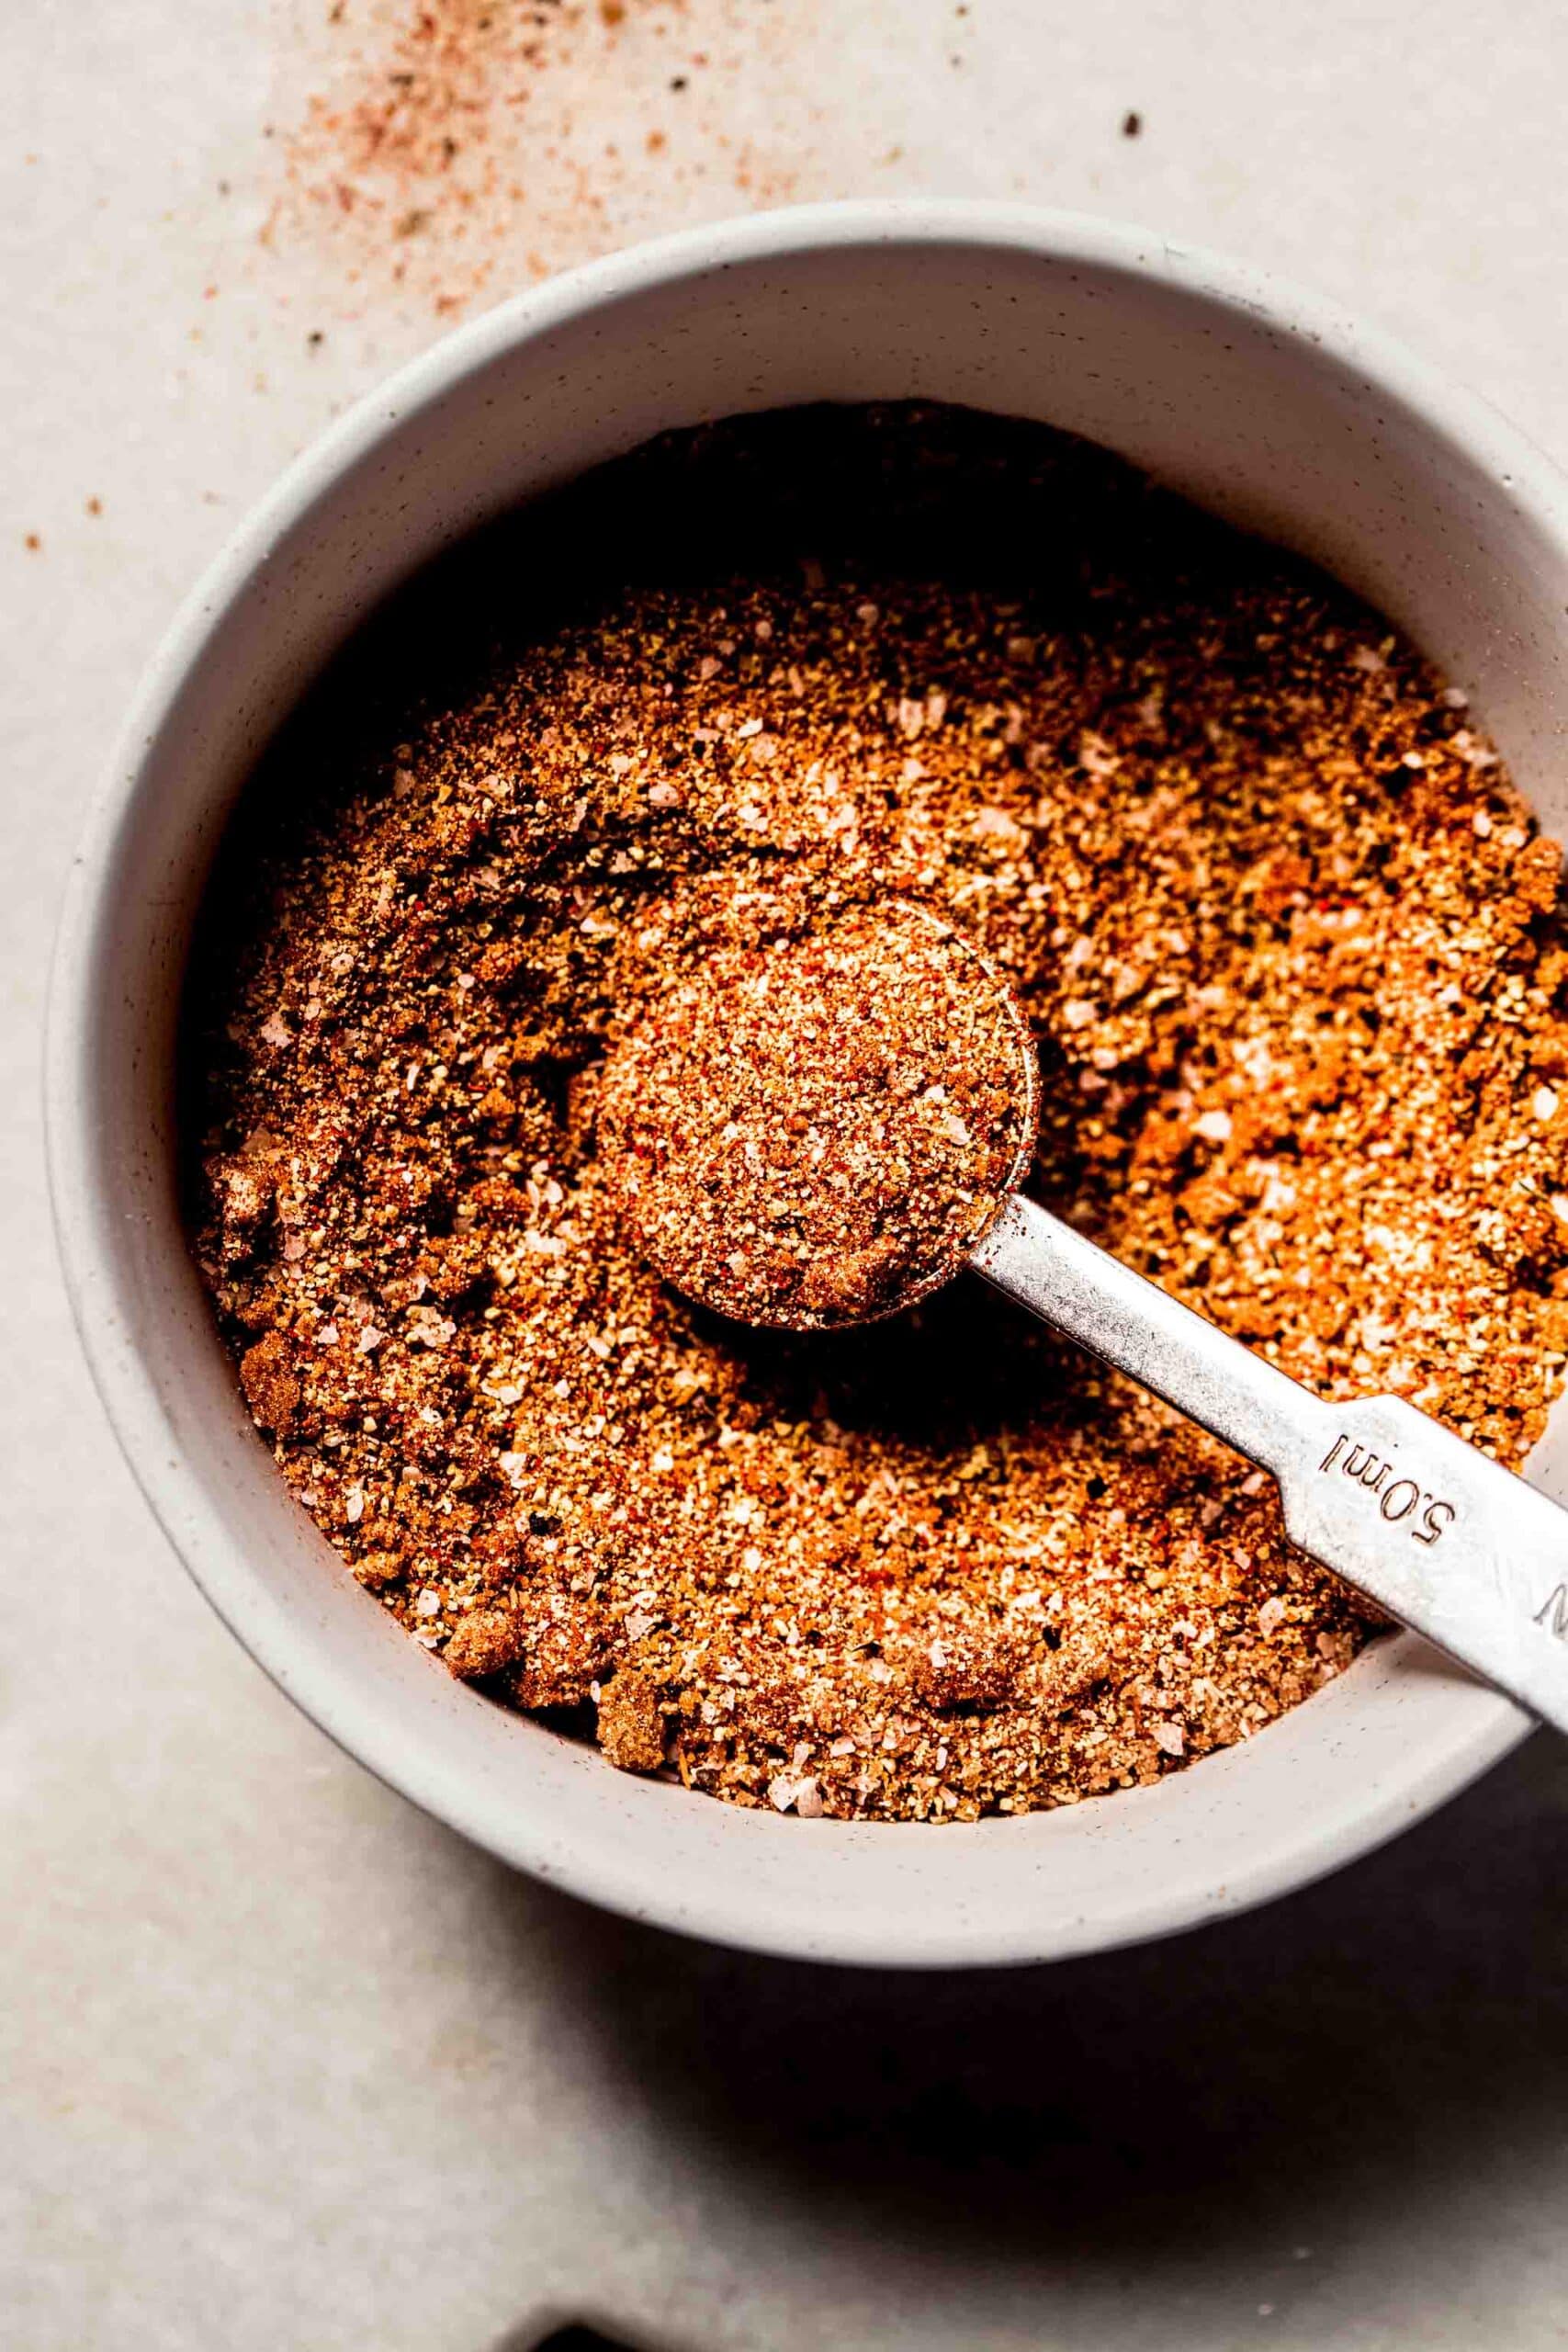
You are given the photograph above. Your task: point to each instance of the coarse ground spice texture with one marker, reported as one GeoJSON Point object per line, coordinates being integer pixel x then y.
{"type": "Point", "coordinates": [811, 1133]}
{"type": "Point", "coordinates": [1289, 949]}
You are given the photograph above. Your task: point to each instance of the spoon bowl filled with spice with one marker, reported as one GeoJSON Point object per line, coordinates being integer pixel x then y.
{"type": "Point", "coordinates": [601, 915]}
{"type": "Point", "coordinates": [815, 1132]}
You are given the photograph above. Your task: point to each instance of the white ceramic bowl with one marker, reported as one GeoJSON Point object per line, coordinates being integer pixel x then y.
{"type": "Point", "coordinates": [1274, 411]}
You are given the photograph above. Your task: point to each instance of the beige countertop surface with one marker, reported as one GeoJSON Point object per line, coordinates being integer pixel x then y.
{"type": "Point", "coordinates": [284, 2064]}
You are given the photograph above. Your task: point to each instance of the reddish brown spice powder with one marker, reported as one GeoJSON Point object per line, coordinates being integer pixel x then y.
{"type": "Point", "coordinates": [438, 153]}
{"type": "Point", "coordinates": [811, 1133]}
{"type": "Point", "coordinates": [1291, 953]}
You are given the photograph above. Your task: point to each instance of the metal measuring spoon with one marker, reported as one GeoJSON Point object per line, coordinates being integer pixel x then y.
{"type": "Point", "coordinates": [1434, 1531]}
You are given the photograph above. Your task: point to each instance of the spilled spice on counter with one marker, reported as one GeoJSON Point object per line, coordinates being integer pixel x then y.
{"type": "Point", "coordinates": [809, 1132]}
{"type": "Point", "coordinates": [1291, 953]}
{"type": "Point", "coordinates": [441, 154]}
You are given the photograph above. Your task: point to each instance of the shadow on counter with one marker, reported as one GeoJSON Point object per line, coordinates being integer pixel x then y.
{"type": "Point", "coordinates": [1270, 2081]}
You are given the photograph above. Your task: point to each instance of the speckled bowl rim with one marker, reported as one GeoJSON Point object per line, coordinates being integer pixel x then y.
{"type": "Point", "coordinates": [1483, 1726]}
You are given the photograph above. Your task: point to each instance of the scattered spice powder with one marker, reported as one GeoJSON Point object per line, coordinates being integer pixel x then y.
{"type": "Point", "coordinates": [812, 1133]}
{"type": "Point", "coordinates": [443, 151]}
{"type": "Point", "coordinates": [1291, 954]}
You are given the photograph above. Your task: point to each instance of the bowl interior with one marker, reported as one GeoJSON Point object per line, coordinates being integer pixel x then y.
{"type": "Point", "coordinates": [1284, 420]}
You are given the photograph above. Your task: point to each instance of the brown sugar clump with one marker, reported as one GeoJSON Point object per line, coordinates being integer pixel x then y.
{"type": "Point", "coordinates": [631, 1726]}
{"type": "Point", "coordinates": [1290, 951]}
{"type": "Point", "coordinates": [486, 1641]}
{"type": "Point", "coordinates": [272, 1389]}
{"type": "Point", "coordinates": [810, 1132]}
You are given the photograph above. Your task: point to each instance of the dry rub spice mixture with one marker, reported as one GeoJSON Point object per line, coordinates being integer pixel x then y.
{"type": "Point", "coordinates": [809, 1134]}
{"type": "Point", "coordinates": [1290, 950]}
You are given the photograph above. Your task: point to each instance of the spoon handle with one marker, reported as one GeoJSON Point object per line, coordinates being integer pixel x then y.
{"type": "Point", "coordinates": [1435, 1532]}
